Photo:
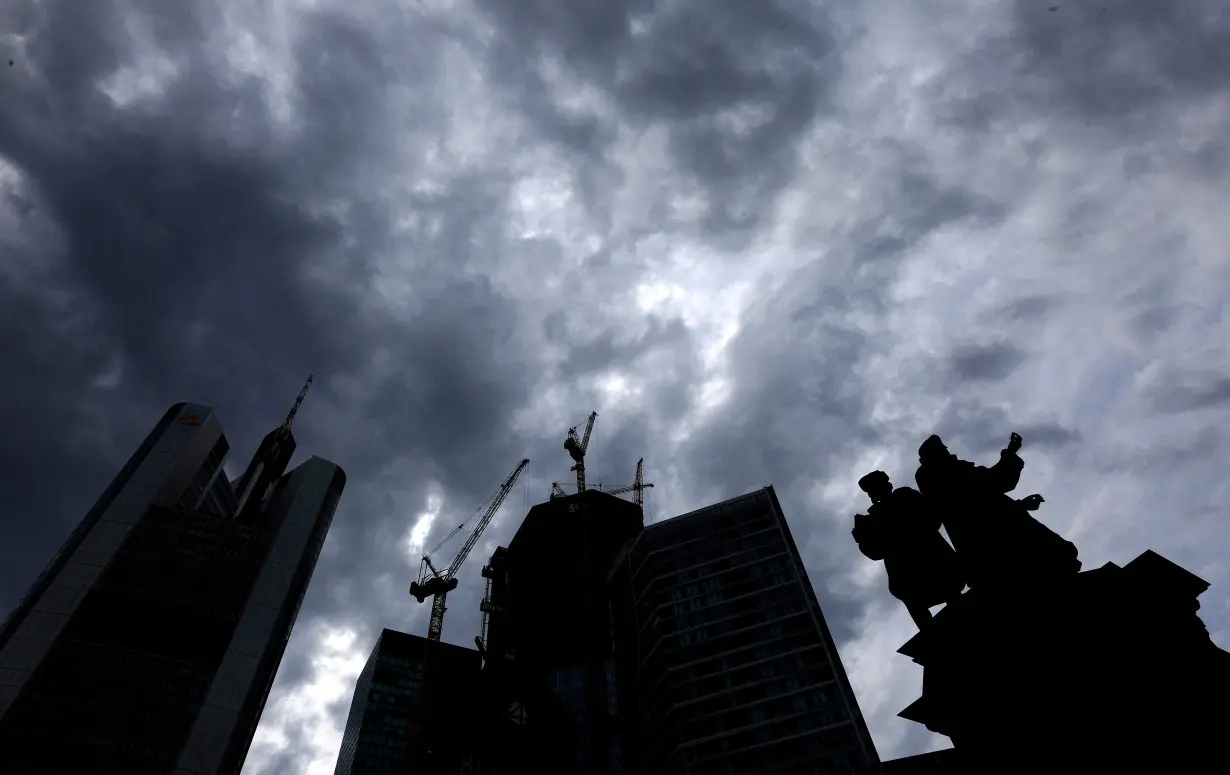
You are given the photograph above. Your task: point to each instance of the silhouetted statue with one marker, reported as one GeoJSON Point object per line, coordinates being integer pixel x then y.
{"type": "Point", "coordinates": [902, 529]}
{"type": "Point", "coordinates": [1040, 663]}
{"type": "Point", "coordinates": [996, 540]}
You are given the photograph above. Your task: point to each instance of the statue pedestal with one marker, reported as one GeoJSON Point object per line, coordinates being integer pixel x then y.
{"type": "Point", "coordinates": [1108, 670]}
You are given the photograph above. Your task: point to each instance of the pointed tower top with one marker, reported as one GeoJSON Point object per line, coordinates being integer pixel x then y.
{"type": "Point", "coordinates": [290, 417]}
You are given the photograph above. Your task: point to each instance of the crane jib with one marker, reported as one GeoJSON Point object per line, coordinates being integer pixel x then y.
{"type": "Point", "coordinates": [498, 501]}
{"type": "Point", "coordinates": [440, 584]}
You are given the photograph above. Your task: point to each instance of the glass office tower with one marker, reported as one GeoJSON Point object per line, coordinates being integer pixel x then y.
{"type": "Point", "coordinates": [385, 731]}
{"type": "Point", "coordinates": [149, 642]}
{"type": "Point", "coordinates": [734, 668]}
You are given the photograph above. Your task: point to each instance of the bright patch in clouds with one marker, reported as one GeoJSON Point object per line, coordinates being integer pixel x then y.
{"type": "Point", "coordinates": [422, 524]}
{"type": "Point", "coordinates": [111, 378]}
{"type": "Point", "coordinates": [616, 388]}
{"type": "Point", "coordinates": [145, 81]}
{"type": "Point", "coordinates": [658, 297]}
{"type": "Point", "coordinates": [300, 713]}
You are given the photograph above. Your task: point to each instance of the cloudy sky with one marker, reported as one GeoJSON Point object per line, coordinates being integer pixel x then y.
{"type": "Point", "coordinates": [775, 243]}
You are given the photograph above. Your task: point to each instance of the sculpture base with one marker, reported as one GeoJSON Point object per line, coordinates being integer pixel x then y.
{"type": "Point", "coordinates": [1106, 669]}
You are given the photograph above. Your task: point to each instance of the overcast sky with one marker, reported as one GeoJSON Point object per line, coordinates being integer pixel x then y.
{"type": "Point", "coordinates": [774, 242]}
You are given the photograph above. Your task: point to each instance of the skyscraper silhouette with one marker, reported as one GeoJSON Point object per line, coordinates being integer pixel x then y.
{"type": "Point", "coordinates": [149, 642]}
{"type": "Point", "coordinates": [735, 669]}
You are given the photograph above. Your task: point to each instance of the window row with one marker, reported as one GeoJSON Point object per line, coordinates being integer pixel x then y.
{"type": "Point", "coordinates": [773, 741]}
{"type": "Point", "coordinates": [657, 548]}
{"type": "Point", "coordinates": [668, 572]}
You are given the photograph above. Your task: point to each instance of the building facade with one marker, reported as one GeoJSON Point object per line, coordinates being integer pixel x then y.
{"type": "Point", "coordinates": [734, 668]}
{"type": "Point", "coordinates": [424, 708]}
{"type": "Point", "coordinates": [149, 642]}
{"type": "Point", "coordinates": [550, 620]}
{"type": "Point", "coordinates": [387, 731]}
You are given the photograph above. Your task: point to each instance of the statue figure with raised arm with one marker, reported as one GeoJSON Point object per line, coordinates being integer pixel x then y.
{"type": "Point", "coordinates": [996, 540]}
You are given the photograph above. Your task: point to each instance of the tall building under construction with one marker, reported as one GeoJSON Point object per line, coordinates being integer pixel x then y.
{"type": "Point", "coordinates": [694, 645]}
{"type": "Point", "coordinates": [150, 641]}
{"type": "Point", "coordinates": [550, 619]}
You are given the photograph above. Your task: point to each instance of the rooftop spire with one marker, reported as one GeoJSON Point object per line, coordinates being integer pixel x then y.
{"type": "Point", "coordinates": [290, 417]}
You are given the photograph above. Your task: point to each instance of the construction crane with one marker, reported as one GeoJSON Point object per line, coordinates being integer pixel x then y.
{"type": "Point", "coordinates": [638, 488]}
{"type": "Point", "coordinates": [577, 449]}
{"type": "Point", "coordinates": [639, 494]}
{"type": "Point", "coordinates": [432, 583]}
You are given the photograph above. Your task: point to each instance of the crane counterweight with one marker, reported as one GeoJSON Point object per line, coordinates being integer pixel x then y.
{"type": "Point", "coordinates": [576, 449]}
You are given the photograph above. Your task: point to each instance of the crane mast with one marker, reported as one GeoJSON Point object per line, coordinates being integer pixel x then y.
{"type": "Point", "coordinates": [577, 449]}
{"type": "Point", "coordinates": [436, 584]}
{"type": "Point", "coordinates": [636, 489]}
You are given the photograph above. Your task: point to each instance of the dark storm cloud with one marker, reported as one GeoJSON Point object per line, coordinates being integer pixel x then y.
{"type": "Point", "coordinates": [1026, 309]}
{"type": "Point", "coordinates": [985, 362]}
{"type": "Point", "coordinates": [612, 346]}
{"type": "Point", "coordinates": [1191, 391]}
{"type": "Point", "coordinates": [169, 247]}
{"type": "Point", "coordinates": [1169, 455]}
{"type": "Point", "coordinates": [1121, 69]}
{"type": "Point", "coordinates": [1111, 59]}
{"type": "Point", "coordinates": [974, 430]}
{"type": "Point", "coordinates": [1048, 435]}
{"type": "Point", "coordinates": [1153, 308]}
{"type": "Point", "coordinates": [193, 242]}
{"type": "Point", "coordinates": [684, 66]}
{"type": "Point", "coordinates": [914, 199]}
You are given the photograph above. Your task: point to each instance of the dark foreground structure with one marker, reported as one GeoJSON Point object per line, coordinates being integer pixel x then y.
{"type": "Point", "coordinates": [1057, 675]}
{"type": "Point", "coordinates": [694, 645]}
{"type": "Point", "coordinates": [149, 642]}
{"type": "Point", "coordinates": [551, 626]}
{"type": "Point", "coordinates": [945, 762]}
{"type": "Point", "coordinates": [1039, 666]}
{"type": "Point", "coordinates": [732, 664]}
{"type": "Point", "coordinates": [473, 721]}
{"type": "Point", "coordinates": [385, 732]}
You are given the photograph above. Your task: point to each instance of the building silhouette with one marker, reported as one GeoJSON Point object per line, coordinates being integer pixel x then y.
{"type": "Point", "coordinates": [550, 623]}
{"type": "Point", "coordinates": [474, 721]}
{"type": "Point", "coordinates": [694, 645]}
{"type": "Point", "coordinates": [540, 695]}
{"type": "Point", "coordinates": [385, 729]}
{"type": "Point", "coordinates": [149, 642]}
{"type": "Point", "coordinates": [734, 668]}
{"type": "Point", "coordinates": [946, 761]}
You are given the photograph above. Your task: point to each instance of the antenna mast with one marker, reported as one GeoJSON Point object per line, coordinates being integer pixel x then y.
{"type": "Point", "coordinates": [290, 417]}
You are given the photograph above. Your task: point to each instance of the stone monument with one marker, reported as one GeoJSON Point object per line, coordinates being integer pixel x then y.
{"type": "Point", "coordinates": [1038, 666]}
